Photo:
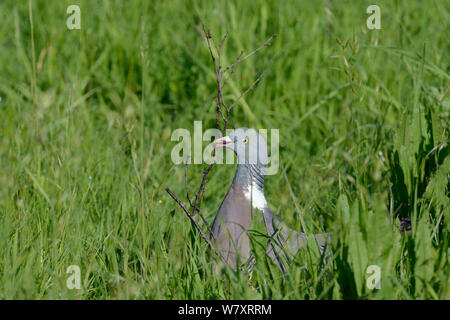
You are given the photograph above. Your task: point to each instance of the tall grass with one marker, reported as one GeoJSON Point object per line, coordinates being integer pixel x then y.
{"type": "Point", "coordinates": [86, 118]}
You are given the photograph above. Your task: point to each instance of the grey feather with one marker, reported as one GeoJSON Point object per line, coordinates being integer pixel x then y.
{"type": "Point", "coordinates": [234, 217]}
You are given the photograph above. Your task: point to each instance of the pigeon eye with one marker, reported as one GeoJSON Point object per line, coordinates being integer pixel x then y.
{"type": "Point", "coordinates": [245, 140]}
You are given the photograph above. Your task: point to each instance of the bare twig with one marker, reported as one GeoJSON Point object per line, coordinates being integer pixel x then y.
{"type": "Point", "coordinates": [195, 207]}
{"type": "Point", "coordinates": [181, 204]}
{"type": "Point", "coordinates": [232, 69]}
{"type": "Point", "coordinates": [246, 91]}
{"type": "Point", "coordinates": [222, 113]}
{"type": "Point", "coordinates": [266, 44]}
{"type": "Point", "coordinates": [202, 185]}
{"type": "Point", "coordinates": [186, 182]}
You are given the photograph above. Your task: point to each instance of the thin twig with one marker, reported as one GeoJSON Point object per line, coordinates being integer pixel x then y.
{"type": "Point", "coordinates": [186, 182]}
{"type": "Point", "coordinates": [266, 44]}
{"type": "Point", "coordinates": [246, 91]}
{"type": "Point", "coordinates": [221, 107]}
{"type": "Point", "coordinates": [202, 185]}
{"type": "Point", "coordinates": [232, 69]}
{"type": "Point", "coordinates": [181, 204]}
{"type": "Point", "coordinates": [195, 209]}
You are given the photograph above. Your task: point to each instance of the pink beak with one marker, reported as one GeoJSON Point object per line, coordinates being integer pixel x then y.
{"type": "Point", "coordinates": [222, 142]}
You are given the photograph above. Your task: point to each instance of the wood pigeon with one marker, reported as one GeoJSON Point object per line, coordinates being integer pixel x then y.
{"type": "Point", "coordinates": [245, 199]}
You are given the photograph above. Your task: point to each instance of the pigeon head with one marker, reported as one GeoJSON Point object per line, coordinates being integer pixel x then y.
{"type": "Point", "coordinates": [249, 146]}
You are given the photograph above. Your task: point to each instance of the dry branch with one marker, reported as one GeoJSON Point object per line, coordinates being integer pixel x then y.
{"type": "Point", "coordinates": [222, 113]}
{"type": "Point", "coordinates": [181, 204]}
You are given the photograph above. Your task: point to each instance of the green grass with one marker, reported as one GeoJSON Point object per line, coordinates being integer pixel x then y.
{"type": "Point", "coordinates": [363, 139]}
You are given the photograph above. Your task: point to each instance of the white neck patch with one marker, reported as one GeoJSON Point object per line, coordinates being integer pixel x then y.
{"type": "Point", "coordinates": [256, 197]}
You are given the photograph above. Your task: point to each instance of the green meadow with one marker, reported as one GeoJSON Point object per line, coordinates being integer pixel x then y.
{"type": "Point", "coordinates": [86, 118]}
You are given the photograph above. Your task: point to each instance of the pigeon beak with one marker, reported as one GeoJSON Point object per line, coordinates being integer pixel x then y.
{"type": "Point", "coordinates": [223, 142]}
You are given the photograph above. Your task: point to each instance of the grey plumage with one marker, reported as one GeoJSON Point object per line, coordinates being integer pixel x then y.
{"type": "Point", "coordinates": [246, 196]}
